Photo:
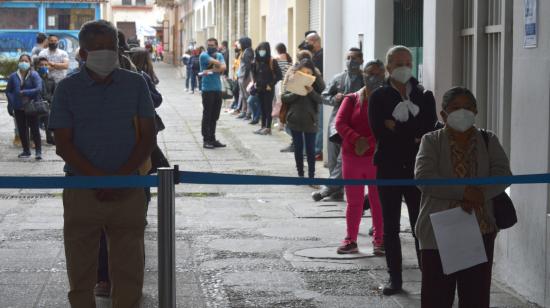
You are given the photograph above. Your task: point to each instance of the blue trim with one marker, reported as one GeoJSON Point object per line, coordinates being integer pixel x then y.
{"type": "Point", "coordinates": [20, 4]}
{"type": "Point", "coordinates": [42, 19]}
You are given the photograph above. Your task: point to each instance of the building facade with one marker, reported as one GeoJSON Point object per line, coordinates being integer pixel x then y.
{"type": "Point", "coordinates": [140, 20]}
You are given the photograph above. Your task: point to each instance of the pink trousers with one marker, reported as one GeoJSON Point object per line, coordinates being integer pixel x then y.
{"type": "Point", "coordinates": [361, 168]}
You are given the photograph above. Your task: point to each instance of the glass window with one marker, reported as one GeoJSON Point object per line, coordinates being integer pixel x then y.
{"type": "Point", "coordinates": [126, 2]}
{"type": "Point", "coordinates": [19, 18]}
{"type": "Point", "coordinates": [68, 19]}
{"type": "Point", "coordinates": [140, 2]}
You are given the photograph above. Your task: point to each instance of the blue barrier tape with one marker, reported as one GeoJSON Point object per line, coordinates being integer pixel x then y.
{"type": "Point", "coordinates": [188, 177]}
{"type": "Point", "coordinates": [232, 179]}
{"type": "Point", "coordinates": [78, 182]}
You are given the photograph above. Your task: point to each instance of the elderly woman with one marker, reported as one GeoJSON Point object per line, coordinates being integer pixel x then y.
{"type": "Point", "coordinates": [459, 150]}
{"type": "Point", "coordinates": [400, 113]}
{"type": "Point", "coordinates": [358, 145]}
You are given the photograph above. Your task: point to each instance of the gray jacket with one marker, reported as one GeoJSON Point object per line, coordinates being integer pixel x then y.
{"type": "Point", "coordinates": [434, 162]}
{"type": "Point", "coordinates": [340, 83]}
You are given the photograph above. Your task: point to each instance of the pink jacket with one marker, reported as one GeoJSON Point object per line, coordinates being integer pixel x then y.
{"type": "Point", "coordinates": [352, 122]}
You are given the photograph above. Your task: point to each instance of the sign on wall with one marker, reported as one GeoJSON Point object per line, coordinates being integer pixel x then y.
{"type": "Point", "coordinates": [530, 35]}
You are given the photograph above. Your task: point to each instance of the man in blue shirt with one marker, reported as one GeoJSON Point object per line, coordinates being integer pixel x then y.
{"type": "Point", "coordinates": [103, 121]}
{"type": "Point", "coordinates": [212, 66]}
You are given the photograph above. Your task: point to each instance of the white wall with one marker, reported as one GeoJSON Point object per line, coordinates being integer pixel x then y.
{"type": "Point", "coordinates": [277, 23]}
{"type": "Point", "coordinates": [522, 252]}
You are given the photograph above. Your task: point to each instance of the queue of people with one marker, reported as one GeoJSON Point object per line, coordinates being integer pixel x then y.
{"type": "Point", "coordinates": [383, 125]}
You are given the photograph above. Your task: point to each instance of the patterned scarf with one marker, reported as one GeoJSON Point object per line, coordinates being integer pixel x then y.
{"type": "Point", "coordinates": [464, 160]}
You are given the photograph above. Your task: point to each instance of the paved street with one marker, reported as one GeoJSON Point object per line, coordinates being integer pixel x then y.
{"type": "Point", "coordinates": [237, 246]}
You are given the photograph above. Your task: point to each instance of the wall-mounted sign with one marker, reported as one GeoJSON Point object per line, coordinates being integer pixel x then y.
{"type": "Point", "coordinates": [530, 34]}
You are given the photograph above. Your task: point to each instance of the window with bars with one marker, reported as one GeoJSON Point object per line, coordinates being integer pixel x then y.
{"type": "Point", "coordinates": [486, 52]}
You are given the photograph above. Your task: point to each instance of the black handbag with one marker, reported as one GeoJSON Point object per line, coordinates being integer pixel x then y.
{"type": "Point", "coordinates": [505, 213]}
{"type": "Point", "coordinates": [335, 138]}
{"type": "Point", "coordinates": [36, 107]}
{"type": "Point", "coordinates": [158, 160]}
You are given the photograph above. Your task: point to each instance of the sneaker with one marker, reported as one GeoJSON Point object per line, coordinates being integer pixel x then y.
{"type": "Point", "coordinates": [392, 287]}
{"type": "Point", "coordinates": [254, 122]}
{"type": "Point", "coordinates": [347, 247]}
{"type": "Point", "coordinates": [378, 250]}
{"type": "Point", "coordinates": [236, 112]}
{"type": "Point", "coordinates": [102, 289]}
{"type": "Point", "coordinates": [241, 116]}
{"type": "Point", "coordinates": [38, 156]}
{"type": "Point", "coordinates": [24, 155]}
{"type": "Point", "coordinates": [319, 157]}
{"type": "Point", "coordinates": [218, 144]}
{"type": "Point", "coordinates": [288, 149]}
{"type": "Point", "coordinates": [208, 145]}
{"type": "Point", "coordinates": [266, 131]}
{"type": "Point", "coordinates": [319, 195]}
{"type": "Point", "coordinates": [259, 131]}
{"type": "Point", "coordinates": [248, 117]}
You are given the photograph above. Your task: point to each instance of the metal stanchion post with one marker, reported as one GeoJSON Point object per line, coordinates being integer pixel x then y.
{"type": "Point", "coordinates": [166, 238]}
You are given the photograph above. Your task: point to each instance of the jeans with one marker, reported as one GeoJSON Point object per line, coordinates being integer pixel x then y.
{"type": "Point", "coordinates": [194, 78]}
{"type": "Point", "coordinates": [212, 105]}
{"type": "Point", "coordinates": [46, 120]}
{"type": "Point", "coordinates": [236, 95]}
{"type": "Point", "coordinates": [23, 123]}
{"type": "Point", "coordinates": [188, 78]}
{"type": "Point", "coordinates": [334, 161]}
{"type": "Point", "coordinates": [298, 140]}
{"type": "Point", "coordinates": [243, 95]}
{"type": "Point", "coordinates": [361, 168]}
{"type": "Point", "coordinates": [266, 101]}
{"type": "Point", "coordinates": [391, 198]}
{"type": "Point", "coordinates": [254, 107]}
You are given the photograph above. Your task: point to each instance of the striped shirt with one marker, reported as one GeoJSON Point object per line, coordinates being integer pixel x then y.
{"type": "Point", "coordinates": [283, 65]}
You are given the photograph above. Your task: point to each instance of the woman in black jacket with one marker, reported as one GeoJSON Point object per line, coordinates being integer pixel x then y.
{"type": "Point", "coordinates": [265, 74]}
{"type": "Point", "coordinates": [400, 113]}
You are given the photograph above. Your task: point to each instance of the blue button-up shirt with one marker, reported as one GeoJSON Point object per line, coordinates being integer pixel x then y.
{"type": "Point", "coordinates": [102, 115]}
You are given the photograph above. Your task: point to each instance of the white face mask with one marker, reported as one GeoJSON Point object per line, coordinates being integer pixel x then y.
{"type": "Point", "coordinates": [402, 74]}
{"type": "Point", "coordinates": [461, 120]}
{"type": "Point", "coordinates": [102, 62]}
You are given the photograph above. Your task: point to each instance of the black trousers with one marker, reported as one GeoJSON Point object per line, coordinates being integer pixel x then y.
{"type": "Point", "coordinates": [212, 105]}
{"type": "Point", "coordinates": [266, 101]}
{"type": "Point", "coordinates": [473, 284]}
{"type": "Point", "coordinates": [23, 123]}
{"type": "Point", "coordinates": [391, 199]}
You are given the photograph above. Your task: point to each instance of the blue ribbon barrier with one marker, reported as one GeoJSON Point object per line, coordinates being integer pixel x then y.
{"type": "Point", "coordinates": [188, 177]}
{"type": "Point", "coordinates": [78, 182]}
{"type": "Point", "coordinates": [233, 179]}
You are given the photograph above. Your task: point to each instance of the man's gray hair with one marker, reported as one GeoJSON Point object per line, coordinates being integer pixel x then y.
{"type": "Point", "coordinates": [394, 50]}
{"type": "Point", "coordinates": [455, 92]}
{"type": "Point", "coordinates": [95, 28]}
{"type": "Point", "coordinates": [314, 36]}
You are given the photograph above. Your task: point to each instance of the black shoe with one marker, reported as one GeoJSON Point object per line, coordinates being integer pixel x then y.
{"type": "Point", "coordinates": [254, 122]}
{"type": "Point", "coordinates": [288, 149]}
{"type": "Point", "coordinates": [208, 145]}
{"type": "Point", "coordinates": [218, 144]}
{"type": "Point", "coordinates": [50, 141]}
{"type": "Point", "coordinates": [392, 287]}
{"type": "Point", "coordinates": [24, 155]}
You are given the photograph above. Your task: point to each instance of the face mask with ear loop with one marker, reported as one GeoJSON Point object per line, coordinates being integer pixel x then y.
{"type": "Point", "coordinates": [461, 120]}
{"type": "Point", "coordinates": [102, 62]}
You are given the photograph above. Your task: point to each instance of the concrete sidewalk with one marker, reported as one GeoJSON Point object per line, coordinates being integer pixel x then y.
{"type": "Point", "coordinates": [237, 246]}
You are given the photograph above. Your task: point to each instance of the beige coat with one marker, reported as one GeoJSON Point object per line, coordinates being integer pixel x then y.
{"type": "Point", "coordinates": [434, 161]}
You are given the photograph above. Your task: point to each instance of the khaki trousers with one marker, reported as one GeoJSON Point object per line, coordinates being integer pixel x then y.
{"type": "Point", "coordinates": [124, 224]}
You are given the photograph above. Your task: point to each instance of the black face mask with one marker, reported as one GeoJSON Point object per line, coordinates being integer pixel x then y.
{"type": "Point", "coordinates": [52, 46]}
{"type": "Point", "coordinates": [308, 47]}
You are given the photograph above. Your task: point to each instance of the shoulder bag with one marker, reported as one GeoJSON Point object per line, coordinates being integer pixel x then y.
{"type": "Point", "coordinates": [505, 213]}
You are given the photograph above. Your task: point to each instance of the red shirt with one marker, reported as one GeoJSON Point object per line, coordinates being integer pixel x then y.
{"type": "Point", "coordinates": [352, 122]}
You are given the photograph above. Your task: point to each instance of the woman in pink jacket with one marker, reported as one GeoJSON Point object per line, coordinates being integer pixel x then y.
{"type": "Point", "coordinates": [358, 146]}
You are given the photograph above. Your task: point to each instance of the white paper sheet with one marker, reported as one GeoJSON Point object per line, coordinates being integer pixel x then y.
{"type": "Point", "coordinates": [297, 83]}
{"type": "Point", "coordinates": [458, 239]}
